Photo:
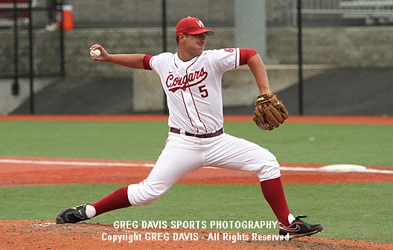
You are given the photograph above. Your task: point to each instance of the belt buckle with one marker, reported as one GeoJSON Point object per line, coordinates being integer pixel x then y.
{"type": "Point", "coordinates": [202, 136]}
{"type": "Point", "coordinates": [206, 135]}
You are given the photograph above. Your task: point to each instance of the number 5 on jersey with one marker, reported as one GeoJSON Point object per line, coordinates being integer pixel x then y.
{"type": "Point", "coordinates": [203, 91]}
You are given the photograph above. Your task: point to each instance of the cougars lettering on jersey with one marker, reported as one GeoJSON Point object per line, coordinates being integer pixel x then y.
{"type": "Point", "coordinates": [193, 88]}
{"type": "Point", "coordinates": [175, 83]}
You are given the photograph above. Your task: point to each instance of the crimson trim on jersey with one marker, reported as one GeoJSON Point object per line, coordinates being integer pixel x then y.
{"type": "Point", "coordinates": [185, 107]}
{"type": "Point", "coordinates": [146, 62]}
{"type": "Point", "coordinates": [196, 109]}
{"type": "Point", "coordinates": [246, 54]}
{"type": "Point", "coordinates": [192, 96]}
{"type": "Point", "coordinates": [193, 100]}
{"type": "Point", "coordinates": [236, 58]}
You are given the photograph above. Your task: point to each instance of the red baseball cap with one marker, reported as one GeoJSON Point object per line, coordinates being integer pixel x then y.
{"type": "Point", "coordinates": [192, 26]}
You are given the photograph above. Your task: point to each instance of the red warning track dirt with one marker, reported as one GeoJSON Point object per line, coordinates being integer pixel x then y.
{"type": "Point", "coordinates": [16, 171]}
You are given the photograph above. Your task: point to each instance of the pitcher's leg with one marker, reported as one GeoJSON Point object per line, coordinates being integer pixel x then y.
{"type": "Point", "coordinates": [179, 157]}
{"type": "Point", "coordinates": [230, 152]}
{"type": "Point", "coordinates": [240, 154]}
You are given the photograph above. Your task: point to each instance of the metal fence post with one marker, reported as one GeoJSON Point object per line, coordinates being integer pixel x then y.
{"type": "Point", "coordinates": [15, 86]}
{"type": "Point", "coordinates": [300, 52]}
{"type": "Point", "coordinates": [31, 59]}
{"type": "Point", "coordinates": [164, 44]}
{"type": "Point", "coordinates": [62, 53]}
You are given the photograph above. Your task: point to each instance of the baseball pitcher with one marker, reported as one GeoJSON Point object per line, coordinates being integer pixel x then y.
{"type": "Point", "coordinates": [191, 79]}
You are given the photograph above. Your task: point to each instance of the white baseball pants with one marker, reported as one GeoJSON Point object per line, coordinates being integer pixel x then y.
{"type": "Point", "coordinates": [183, 154]}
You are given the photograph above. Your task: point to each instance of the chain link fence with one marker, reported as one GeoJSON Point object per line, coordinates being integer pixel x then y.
{"type": "Point", "coordinates": [343, 64]}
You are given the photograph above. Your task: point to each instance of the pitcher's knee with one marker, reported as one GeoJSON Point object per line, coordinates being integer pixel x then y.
{"type": "Point", "coordinates": [145, 192]}
{"type": "Point", "coordinates": [269, 170]}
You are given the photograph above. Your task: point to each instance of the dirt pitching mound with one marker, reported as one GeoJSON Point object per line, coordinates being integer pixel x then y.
{"type": "Point", "coordinates": [48, 235]}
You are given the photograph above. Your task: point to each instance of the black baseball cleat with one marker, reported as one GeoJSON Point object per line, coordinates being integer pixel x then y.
{"type": "Point", "coordinates": [72, 215]}
{"type": "Point", "coordinates": [299, 228]}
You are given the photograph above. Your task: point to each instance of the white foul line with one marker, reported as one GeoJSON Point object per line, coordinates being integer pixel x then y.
{"type": "Point", "coordinates": [77, 163]}
{"type": "Point", "coordinates": [338, 170]}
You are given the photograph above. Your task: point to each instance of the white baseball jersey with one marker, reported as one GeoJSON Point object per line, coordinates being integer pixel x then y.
{"type": "Point", "coordinates": [194, 96]}
{"type": "Point", "coordinates": [193, 88]}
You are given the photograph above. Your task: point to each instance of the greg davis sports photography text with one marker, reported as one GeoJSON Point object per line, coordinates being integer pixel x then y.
{"type": "Point", "coordinates": [185, 235]}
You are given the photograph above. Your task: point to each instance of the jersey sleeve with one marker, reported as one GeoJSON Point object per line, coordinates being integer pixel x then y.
{"type": "Point", "coordinates": [146, 62]}
{"type": "Point", "coordinates": [155, 62]}
{"type": "Point", "coordinates": [225, 59]}
{"type": "Point", "coordinates": [246, 54]}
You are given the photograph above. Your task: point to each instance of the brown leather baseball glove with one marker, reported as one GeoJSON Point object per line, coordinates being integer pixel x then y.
{"type": "Point", "coordinates": [269, 112]}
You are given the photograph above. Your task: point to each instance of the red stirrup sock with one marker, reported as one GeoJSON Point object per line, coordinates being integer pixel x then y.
{"type": "Point", "coordinates": [116, 200]}
{"type": "Point", "coordinates": [274, 194]}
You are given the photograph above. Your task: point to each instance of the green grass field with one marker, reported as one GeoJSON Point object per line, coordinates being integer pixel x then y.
{"type": "Point", "coordinates": [360, 211]}
{"type": "Point", "coordinates": [291, 143]}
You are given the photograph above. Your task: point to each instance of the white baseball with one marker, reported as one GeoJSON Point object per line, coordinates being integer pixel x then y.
{"type": "Point", "coordinates": [95, 53]}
